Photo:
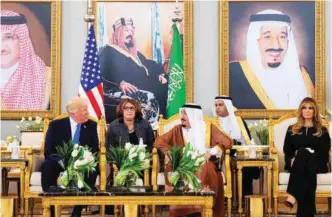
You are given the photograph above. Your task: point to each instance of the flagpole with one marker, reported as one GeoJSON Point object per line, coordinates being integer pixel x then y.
{"type": "Point", "coordinates": [177, 15]}
{"type": "Point", "coordinates": [89, 17]}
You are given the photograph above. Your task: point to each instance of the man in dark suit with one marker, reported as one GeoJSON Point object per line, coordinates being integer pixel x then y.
{"type": "Point", "coordinates": [76, 127]}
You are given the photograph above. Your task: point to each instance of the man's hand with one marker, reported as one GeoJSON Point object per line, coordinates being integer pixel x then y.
{"type": "Point", "coordinates": [162, 79]}
{"type": "Point", "coordinates": [207, 156]}
{"type": "Point", "coordinates": [127, 87]}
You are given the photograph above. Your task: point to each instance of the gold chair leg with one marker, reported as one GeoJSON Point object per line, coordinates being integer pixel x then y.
{"type": "Point", "coordinates": [57, 211]}
{"type": "Point", "coordinates": [275, 207]}
{"type": "Point", "coordinates": [32, 206]}
{"type": "Point", "coordinates": [116, 211]}
{"type": "Point", "coordinates": [102, 210]}
{"type": "Point", "coordinates": [26, 208]}
{"type": "Point", "coordinates": [229, 207]}
{"type": "Point", "coordinates": [153, 210]}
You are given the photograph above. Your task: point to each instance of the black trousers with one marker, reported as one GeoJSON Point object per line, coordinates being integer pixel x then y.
{"type": "Point", "coordinates": [50, 171]}
{"type": "Point", "coordinates": [248, 175]}
{"type": "Point", "coordinates": [303, 182]}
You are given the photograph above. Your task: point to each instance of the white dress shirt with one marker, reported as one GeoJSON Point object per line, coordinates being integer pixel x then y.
{"type": "Point", "coordinates": [73, 126]}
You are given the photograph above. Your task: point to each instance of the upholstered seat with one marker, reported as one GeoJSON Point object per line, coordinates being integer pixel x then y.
{"type": "Point", "coordinates": [277, 133]}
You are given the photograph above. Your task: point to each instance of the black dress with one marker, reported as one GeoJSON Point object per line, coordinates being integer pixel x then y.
{"type": "Point", "coordinates": [303, 173]}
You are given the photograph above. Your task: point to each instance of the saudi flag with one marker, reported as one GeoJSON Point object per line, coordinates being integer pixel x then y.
{"type": "Point", "coordinates": [176, 80]}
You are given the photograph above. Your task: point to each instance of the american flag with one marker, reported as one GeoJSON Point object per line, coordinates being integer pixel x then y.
{"type": "Point", "coordinates": [91, 86]}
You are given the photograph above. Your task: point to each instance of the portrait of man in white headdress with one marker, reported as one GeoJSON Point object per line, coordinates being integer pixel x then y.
{"type": "Point", "coordinates": [271, 76]}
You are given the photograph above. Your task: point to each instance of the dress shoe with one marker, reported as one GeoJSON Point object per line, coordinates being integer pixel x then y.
{"type": "Point", "coordinates": [289, 204]}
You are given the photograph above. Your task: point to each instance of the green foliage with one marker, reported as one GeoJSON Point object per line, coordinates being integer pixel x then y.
{"type": "Point", "coordinates": [184, 165]}
{"type": "Point", "coordinates": [76, 160]}
{"type": "Point", "coordinates": [261, 130]}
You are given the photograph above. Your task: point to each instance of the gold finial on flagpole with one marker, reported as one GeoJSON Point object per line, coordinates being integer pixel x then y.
{"type": "Point", "coordinates": [177, 16]}
{"type": "Point", "coordinates": [89, 17]}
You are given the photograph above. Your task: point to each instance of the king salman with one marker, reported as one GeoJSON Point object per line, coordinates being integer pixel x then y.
{"type": "Point", "coordinates": [207, 139]}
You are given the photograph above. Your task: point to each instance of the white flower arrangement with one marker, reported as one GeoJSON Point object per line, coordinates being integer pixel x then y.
{"type": "Point", "coordinates": [29, 124]}
{"type": "Point", "coordinates": [76, 161]}
{"type": "Point", "coordinates": [261, 130]}
{"type": "Point", "coordinates": [184, 166]}
{"type": "Point", "coordinates": [131, 161]}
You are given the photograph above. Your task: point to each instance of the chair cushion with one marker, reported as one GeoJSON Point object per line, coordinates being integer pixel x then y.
{"type": "Point", "coordinates": [35, 179]}
{"type": "Point", "coordinates": [322, 179]}
{"type": "Point", "coordinates": [14, 173]}
{"type": "Point", "coordinates": [319, 188]}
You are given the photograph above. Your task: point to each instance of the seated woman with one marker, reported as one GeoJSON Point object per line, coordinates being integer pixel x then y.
{"type": "Point", "coordinates": [129, 126]}
{"type": "Point", "coordinates": [306, 149]}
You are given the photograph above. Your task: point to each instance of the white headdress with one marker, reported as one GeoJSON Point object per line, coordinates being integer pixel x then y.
{"type": "Point", "coordinates": [229, 124]}
{"type": "Point", "coordinates": [196, 134]}
{"type": "Point", "coordinates": [284, 85]}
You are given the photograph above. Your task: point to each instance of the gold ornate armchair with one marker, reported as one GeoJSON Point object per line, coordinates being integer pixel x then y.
{"type": "Point", "coordinates": [277, 132]}
{"type": "Point", "coordinates": [158, 177]}
{"type": "Point", "coordinates": [35, 159]}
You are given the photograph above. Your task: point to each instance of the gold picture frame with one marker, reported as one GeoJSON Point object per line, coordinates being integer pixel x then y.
{"type": "Point", "coordinates": [187, 22]}
{"type": "Point", "coordinates": [50, 34]}
{"type": "Point", "coordinates": [225, 49]}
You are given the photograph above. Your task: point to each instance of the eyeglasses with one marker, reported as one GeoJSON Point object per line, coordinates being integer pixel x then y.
{"type": "Point", "coordinates": [308, 107]}
{"type": "Point", "coordinates": [128, 108]}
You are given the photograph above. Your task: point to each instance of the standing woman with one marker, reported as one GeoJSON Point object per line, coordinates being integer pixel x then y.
{"type": "Point", "coordinates": [306, 149]}
{"type": "Point", "coordinates": [129, 126]}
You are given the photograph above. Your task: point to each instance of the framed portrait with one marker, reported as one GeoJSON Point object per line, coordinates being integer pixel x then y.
{"type": "Point", "coordinates": [134, 40]}
{"type": "Point", "coordinates": [272, 55]}
{"type": "Point", "coordinates": [30, 58]}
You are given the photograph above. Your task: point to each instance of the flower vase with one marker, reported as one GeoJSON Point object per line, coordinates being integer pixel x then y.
{"type": "Point", "coordinates": [180, 186]}
{"type": "Point", "coordinates": [130, 181]}
{"type": "Point", "coordinates": [72, 185]}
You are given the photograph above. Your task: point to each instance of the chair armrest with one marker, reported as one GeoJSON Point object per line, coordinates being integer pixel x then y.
{"type": "Point", "coordinates": [275, 168]}
{"type": "Point", "coordinates": [115, 172]}
{"type": "Point", "coordinates": [28, 172]}
{"type": "Point", "coordinates": [228, 174]}
{"type": "Point", "coordinates": [154, 173]}
{"type": "Point", "coordinates": [146, 177]}
{"type": "Point", "coordinates": [102, 168]}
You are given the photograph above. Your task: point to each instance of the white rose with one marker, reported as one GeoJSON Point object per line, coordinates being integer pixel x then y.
{"type": "Point", "coordinates": [80, 163]}
{"type": "Point", "coordinates": [128, 146]}
{"type": "Point", "coordinates": [131, 156]}
{"type": "Point", "coordinates": [133, 150]}
{"type": "Point", "coordinates": [141, 156]}
{"type": "Point", "coordinates": [23, 119]}
{"type": "Point", "coordinates": [80, 184]}
{"type": "Point", "coordinates": [30, 118]}
{"type": "Point", "coordinates": [75, 146]}
{"type": "Point", "coordinates": [74, 153]}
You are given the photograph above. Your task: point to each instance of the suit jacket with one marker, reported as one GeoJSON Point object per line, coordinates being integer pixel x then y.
{"type": "Point", "coordinates": [59, 131]}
